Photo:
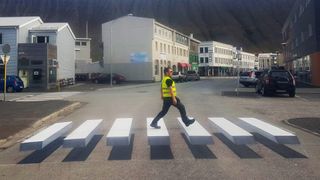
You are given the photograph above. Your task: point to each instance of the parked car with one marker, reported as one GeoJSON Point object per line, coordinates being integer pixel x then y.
{"type": "Point", "coordinates": [192, 75]}
{"type": "Point", "coordinates": [179, 76]}
{"type": "Point", "coordinates": [105, 78]}
{"type": "Point", "coordinates": [276, 81]}
{"type": "Point", "coordinates": [249, 78]}
{"type": "Point", "coordinates": [14, 83]}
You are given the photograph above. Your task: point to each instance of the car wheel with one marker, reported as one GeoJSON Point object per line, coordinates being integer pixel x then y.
{"type": "Point", "coordinates": [114, 81]}
{"type": "Point", "coordinates": [10, 89]}
{"type": "Point", "coordinates": [292, 94]}
{"type": "Point", "coordinates": [96, 81]}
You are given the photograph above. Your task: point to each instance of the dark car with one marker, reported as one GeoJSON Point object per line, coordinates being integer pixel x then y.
{"type": "Point", "coordinates": [276, 81]}
{"type": "Point", "coordinates": [105, 78]}
{"type": "Point", "coordinates": [192, 75]}
{"type": "Point", "coordinates": [13, 83]}
{"type": "Point", "coordinates": [249, 78]}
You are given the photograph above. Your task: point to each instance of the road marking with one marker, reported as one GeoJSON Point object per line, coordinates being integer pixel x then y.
{"type": "Point", "coordinates": [271, 132]}
{"type": "Point", "coordinates": [120, 132]}
{"type": "Point", "coordinates": [81, 136]}
{"type": "Point", "coordinates": [157, 136]}
{"type": "Point", "coordinates": [46, 136]}
{"type": "Point", "coordinates": [233, 132]}
{"type": "Point", "coordinates": [195, 133]}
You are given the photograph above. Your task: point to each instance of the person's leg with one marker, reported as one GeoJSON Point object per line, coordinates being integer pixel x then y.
{"type": "Point", "coordinates": [165, 108]}
{"type": "Point", "coordinates": [183, 113]}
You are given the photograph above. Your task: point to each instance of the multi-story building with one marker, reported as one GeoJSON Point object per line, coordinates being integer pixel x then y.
{"type": "Point", "coordinates": [215, 58]}
{"type": "Point", "coordinates": [247, 61]}
{"type": "Point", "coordinates": [39, 66]}
{"type": "Point", "coordinates": [301, 41]}
{"type": "Point", "coordinates": [194, 52]}
{"type": "Point", "coordinates": [140, 48]}
{"type": "Point", "coordinates": [267, 60]}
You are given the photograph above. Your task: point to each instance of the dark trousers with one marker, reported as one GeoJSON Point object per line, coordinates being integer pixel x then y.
{"type": "Point", "coordinates": [167, 102]}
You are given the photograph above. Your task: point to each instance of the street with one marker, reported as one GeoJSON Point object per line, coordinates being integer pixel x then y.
{"type": "Point", "coordinates": [181, 160]}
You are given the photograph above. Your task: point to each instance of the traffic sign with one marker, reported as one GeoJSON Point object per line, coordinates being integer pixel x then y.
{"type": "Point", "coordinates": [6, 48]}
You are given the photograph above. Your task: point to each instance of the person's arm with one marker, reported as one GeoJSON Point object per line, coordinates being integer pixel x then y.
{"type": "Point", "coordinates": [174, 100]}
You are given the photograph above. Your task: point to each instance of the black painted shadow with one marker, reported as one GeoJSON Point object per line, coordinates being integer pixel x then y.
{"type": "Point", "coordinates": [82, 154]}
{"type": "Point", "coordinates": [40, 155]}
{"type": "Point", "coordinates": [243, 151]}
{"type": "Point", "coordinates": [199, 151]}
{"type": "Point", "coordinates": [160, 152]}
{"type": "Point", "coordinates": [122, 152]}
{"type": "Point", "coordinates": [281, 149]}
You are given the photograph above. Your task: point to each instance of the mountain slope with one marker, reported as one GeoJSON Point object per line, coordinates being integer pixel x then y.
{"type": "Point", "coordinates": [253, 24]}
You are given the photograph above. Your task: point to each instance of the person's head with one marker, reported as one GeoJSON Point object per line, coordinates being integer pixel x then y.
{"type": "Point", "coordinates": [167, 71]}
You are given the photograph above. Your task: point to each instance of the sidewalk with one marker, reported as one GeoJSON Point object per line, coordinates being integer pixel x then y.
{"type": "Point", "coordinates": [19, 119]}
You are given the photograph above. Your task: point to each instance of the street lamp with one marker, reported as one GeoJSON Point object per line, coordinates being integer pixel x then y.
{"type": "Point", "coordinates": [238, 57]}
{"type": "Point", "coordinates": [5, 58]}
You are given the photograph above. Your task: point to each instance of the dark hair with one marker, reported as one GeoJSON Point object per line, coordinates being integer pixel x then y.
{"type": "Point", "coordinates": [165, 70]}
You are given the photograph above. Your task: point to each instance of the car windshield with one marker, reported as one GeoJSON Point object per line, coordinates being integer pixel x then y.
{"type": "Point", "coordinates": [280, 74]}
{"type": "Point", "coordinates": [245, 74]}
{"type": "Point", "coordinates": [175, 73]}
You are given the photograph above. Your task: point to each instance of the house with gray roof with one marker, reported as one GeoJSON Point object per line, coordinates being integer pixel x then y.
{"type": "Point", "coordinates": [42, 54]}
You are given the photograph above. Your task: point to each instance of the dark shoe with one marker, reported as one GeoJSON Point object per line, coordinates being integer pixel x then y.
{"type": "Point", "coordinates": [155, 126]}
{"type": "Point", "coordinates": [191, 121]}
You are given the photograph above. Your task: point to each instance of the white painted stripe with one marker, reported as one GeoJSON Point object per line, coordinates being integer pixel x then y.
{"type": "Point", "coordinates": [270, 131]}
{"type": "Point", "coordinates": [81, 136]}
{"type": "Point", "coordinates": [233, 132]}
{"type": "Point", "coordinates": [120, 132]}
{"type": "Point", "coordinates": [196, 134]}
{"type": "Point", "coordinates": [46, 136]}
{"type": "Point", "coordinates": [157, 136]}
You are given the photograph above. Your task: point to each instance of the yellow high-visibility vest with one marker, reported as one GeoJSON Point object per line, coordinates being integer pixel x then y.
{"type": "Point", "coordinates": [166, 89]}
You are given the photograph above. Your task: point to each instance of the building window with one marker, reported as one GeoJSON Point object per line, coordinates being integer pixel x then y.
{"type": "Point", "coordinates": [42, 39]}
{"type": "Point", "coordinates": [0, 38]}
{"type": "Point", "coordinates": [83, 43]}
{"type": "Point", "coordinates": [201, 60]}
{"type": "Point", "coordinates": [201, 50]}
{"type": "Point", "coordinates": [302, 37]}
{"type": "Point", "coordinates": [169, 49]}
{"type": "Point", "coordinates": [160, 47]}
{"type": "Point", "coordinates": [156, 68]}
{"type": "Point", "coordinates": [156, 46]}
{"type": "Point", "coordinates": [77, 43]}
{"type": "Point", "coordinates": [165, 47]}
{"type": "Point", "coordinates": [207, 60]}
{"type": "Point", "coordinates": [206, 50]}
{"type": "Point", "coordinates": [310, 30]}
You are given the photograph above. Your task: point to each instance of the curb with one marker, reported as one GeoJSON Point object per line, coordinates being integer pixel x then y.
{"type": "Point", "coordinates": [301, 128]}
{"type": "Point", "coordinates": [19, 136]}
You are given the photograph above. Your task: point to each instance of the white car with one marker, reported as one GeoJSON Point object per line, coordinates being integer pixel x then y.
{"type": "Point", "coordinates": [178, 76]}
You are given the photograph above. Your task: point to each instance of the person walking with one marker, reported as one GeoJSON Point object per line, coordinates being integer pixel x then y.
{"type": "Point", "coordinates": [169, 97]}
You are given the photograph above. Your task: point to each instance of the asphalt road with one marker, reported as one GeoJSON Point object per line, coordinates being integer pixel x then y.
{"type": "Point", "coordinates": [180, 160]}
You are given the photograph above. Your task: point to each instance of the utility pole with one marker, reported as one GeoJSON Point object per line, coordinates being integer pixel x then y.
{"type": "Point", "coordinates": [5, 58]}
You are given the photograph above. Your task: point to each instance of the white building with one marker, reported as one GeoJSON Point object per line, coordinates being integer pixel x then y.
{"type": "Point", "coordinates": [266, 60]}
{"type": "Point", "coordinates": [21, 31]}
{"type": "Point", "coordinates": [247, 61]}
{"type": "Point", "coordinates": [140, 48]}
{"type": "Point", "coordinates": [60, 35]}
{"type": "Point", "coordinates": [83, 49]}
{"type": "Point", "coordinates": [15, 30]}
{"type": "Point", "coordinates": [215, 58]}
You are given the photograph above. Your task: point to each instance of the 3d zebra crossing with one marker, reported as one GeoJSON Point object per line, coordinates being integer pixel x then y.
{"type": "Point", "coordinates": [121, 131]}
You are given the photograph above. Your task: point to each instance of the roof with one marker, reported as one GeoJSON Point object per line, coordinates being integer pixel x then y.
{"type": "Point", "coordinates": [18, 21]}
{"type": "Point", "coordinates": [53, 27]}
